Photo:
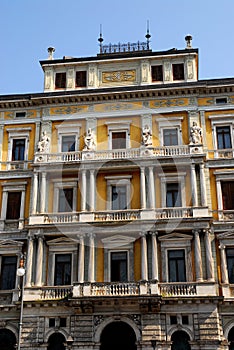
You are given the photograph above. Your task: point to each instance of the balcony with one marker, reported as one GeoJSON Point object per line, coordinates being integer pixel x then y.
{"type": "Point", "coordinates": [119, 215]}
{"type": "Point", "coordinates": [226, 215]}
{"type": "Point", "coordinates": [115, 154]}
{"type": "Point", "coordinates": [121, 289]}
{"type": "Point", "coordinates": [227, 153]}
{"type": "Point", "coordinates": [15, 165]}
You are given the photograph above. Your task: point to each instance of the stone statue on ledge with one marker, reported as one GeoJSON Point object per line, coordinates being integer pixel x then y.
{"type": "Point", "coordinates": [89, 140]}
{"type": "Point", "coordinates": [195, 134]}
{"type": "Point", "coordinates": [44, 143]}
{"type": "Point", "coordinates": [146, 136]}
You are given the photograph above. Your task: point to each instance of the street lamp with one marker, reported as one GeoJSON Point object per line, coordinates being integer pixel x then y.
{"type": "Point", "coordinates": [21, 273]}
{"type": "Point", "coordinates": [153, 342]}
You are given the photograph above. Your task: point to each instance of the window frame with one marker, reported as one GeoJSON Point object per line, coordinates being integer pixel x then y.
{"type": "Point", "coordinates": [63, 74]}
{"type": "Point", "coordinates": [16, 134]}
{"type": "Point", "coordinates": [118, 126]}
{"type": "Point", "coordinates": [181, 65]}
{"type": "Point", "coordinates": [71, 183]}
{"type": "Point", "coordinates": [152, 73]}
{"type": "Point", "coordinates": [222, 120]}
{"type": "Point", "coordinates": [220, 177]}
{"type": "Point", "coordinates": [172, 178]}
{"type": "Point", "coordinates": [68, 130]}
{"type": "Point", "coordinates": [110, 252]}
{"type": "Point", "coordinates": [121, 181]}
{"type": "Point", "coordinates": [1, 268]}
{"type": "Point", "coordinates": [170, 123]}
{"type": "Point", "coordinates": [56, 255]}
{"type": "Point", "coordinates": [86, 79]}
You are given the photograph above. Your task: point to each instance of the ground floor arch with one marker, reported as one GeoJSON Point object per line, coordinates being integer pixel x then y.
{"type": "Point", "coordinates": [180, 341]}
{"type": "Point", "coordinates": [231, 339]}
{"type": "Point", "coordinates": [56, 342]}
{"type": "Point", "coordinates": [118, 335]}
{"type": "Point", "coordinates": [7, 339]}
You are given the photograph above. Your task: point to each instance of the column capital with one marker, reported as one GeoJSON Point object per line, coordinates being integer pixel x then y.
{"type": "Point", "coordinates": [143, 234]}
{"type": "Point", "coordinates": [222, 246]}
{"type": "Point", "coordinates": [91, 235]}
{"type": "Point", "coordinates": [196, 231]}
{"type": "Point", "coordinates": [153, 233]}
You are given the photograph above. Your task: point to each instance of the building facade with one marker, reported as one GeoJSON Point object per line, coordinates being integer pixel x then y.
{"type": "Point", "coordinates": [117, 187]}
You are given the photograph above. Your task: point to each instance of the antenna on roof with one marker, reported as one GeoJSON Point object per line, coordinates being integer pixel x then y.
{"type": "Point", "coordinates": [100, 39]}
{"type": "Point", "coordinates": [148, 36]}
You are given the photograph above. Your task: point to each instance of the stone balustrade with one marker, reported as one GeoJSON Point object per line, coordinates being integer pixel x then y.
{"type": "Point", "coordinates": [115, 289]}
{"type": "Point", "coordinates": [61, 218]}
{"type": "Point", "coordinates": [178, 289]}
{"type": "Point", "coordinates": [118, 215]}
{"type": "Point", "coordinates": [226, 215]}
{"type": "Point", "coordinates": [53, 293]}
{"type": "Point", "coordinates": [171, 213]}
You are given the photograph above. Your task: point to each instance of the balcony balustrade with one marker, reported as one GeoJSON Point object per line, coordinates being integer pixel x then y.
{"type": "Point", "coordinates": [124, 215]}
{"type": "Point", "coordinates": [15, 165]}
{"type": "Point", "coordinates": [173, 213]}
{"type": "Point", "coordinates": [133, 153]}
{"type": "Point", "coordinates": [55, 293]}
{"type": "Point", "coordinates": [115, 289]}
{"type": "Point", "coordinates": [226, 215]}
{"type": "Point", "coordinates": [178, 289]}
{"type": "Point", "coordinates": [61, 218]}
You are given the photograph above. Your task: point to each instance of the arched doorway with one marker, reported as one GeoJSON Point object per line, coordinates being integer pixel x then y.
{"type": "Point", "coordinates": [231, 338]}
{"type": "Point", "coordinates": [118, 336]}
{"type": "Point", "coordinates": [56, 342]}
{"type": "Point", "coordinates": [7, 340]}
{"type": "Point", "coordinates": [180, 341]}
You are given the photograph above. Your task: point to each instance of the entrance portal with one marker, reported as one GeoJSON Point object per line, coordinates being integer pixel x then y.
{"type": "Point", "coordinates": [118, 336]}
{"type": "Point", "coordinates": [7, 340]}
{"type": "Point", "coordinates": [56, 342]}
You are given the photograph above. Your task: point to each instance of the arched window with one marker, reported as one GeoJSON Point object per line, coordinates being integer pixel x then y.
{"type": "Point", "coordinates": [180, 341]}
{"type": "Point", "coordinates": [56, 342]}
{"type": "Point", "coordinates": [231, 338]}
{"type": "Point", "coordinates": [7, 340]}
{"type": "Point", "coordinates": [118, 335]}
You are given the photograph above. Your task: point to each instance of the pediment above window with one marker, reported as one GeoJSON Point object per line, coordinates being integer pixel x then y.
{"type": "Point", "coordinates": [175, 237]}
{"type": "Point", "coordinates": [10, 243]}
{"type": "Point", "coordinates": [226, 235]}
{"type": "Point", "coordinates": [62, 242]}
{"type": "Point", "coordinates": [117, 241]}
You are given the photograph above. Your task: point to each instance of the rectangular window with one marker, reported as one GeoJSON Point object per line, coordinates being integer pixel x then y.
{"type": "Point", "coordinates": [228, 195]}
{"type": "Point", "coordinates": [170, 137]}
{"type": "Point", "coordinates": [118, 140]}
{"type": "Point", "coordinates": [157, 73]}
{"type": "Point", "coordinates": [81, 79]}
{"type": "Point", "coordinates": [60, 80]}
{"type": "Point", "coordinates": [62, 269]}
{"type": "Point", "coordinates": [20, 114]}
{"type": "Point", "coordinates": [221, 100]}
{"type": "Point", "coordinates": [13, 206]}
{"type": "Point", "coordinates": [8, 272]}
{"type": "Point", "coordinates": [65, 200]}
{"type": "Point", "coordinates": [119, 197]}
{"type": "Point", "coordinates": [173, 195]}
{"type": "Point", "coordinates": [68, 143]}
{"type": "Point", "coordinates": [223, 137]}
{"type": "Point", "coordinates": [18, 149]}
{"type": "Point", "coordinates": [119, 267]}
{"type": "Point", "coordinates": [176, 266]}
{"type": "Point", "coordinates": [178, 71]}
{"type": "Point", "coordinates": [230, 264]}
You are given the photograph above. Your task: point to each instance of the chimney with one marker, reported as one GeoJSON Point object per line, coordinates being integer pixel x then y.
{"type": "Point", "coordinates": [188, 40]}
{"type": "Point", "coordinates": [51, 52]}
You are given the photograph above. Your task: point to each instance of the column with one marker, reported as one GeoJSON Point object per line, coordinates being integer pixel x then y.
{"type": "Point", "coordinates": [4, 204]}
{"type": "Point", "coordinates": [92, 190]}
{"type": "Point", "coordinates": [154, 257]}
{"type": "Point", "coordinates": [144, 262]}
{"type": "Point", "coordinates": [29, 262]}
{"type": "Point", "coordinates": [34, 194]}
{"type": "Point", "coordinates": [198, 259]}
{"type": "Point", "coordinates": [39, 262]}
{"type": "Point", "coordinates": [22, 205]}
{"type": "Point", "coordinates": [83, 191]}
{"type": "Point", "coordinates": [203, 186]}
{"type": "Point", "coordinates": [43, 192]}
{"type": "Point", "coordinates": [219, 199]}
{"type": "Point", "coordinates": [151, 188]}
{"type": "Point", "coordinates": [194, 185]}
{"type": "Point", "coordinates": [224, 270]}
{"type": "Point", "coordinates": [209, 258]}
{"type": "Point", "coordinates": [91, 272]}
{"type": "Point", "coordinates": [81, 259]}
{"type": "Point", "coordinates": [142, 189]}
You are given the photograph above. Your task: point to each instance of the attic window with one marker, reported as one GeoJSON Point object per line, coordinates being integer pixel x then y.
{"type": "Point", "coordinates": [20, 114]}
{"type": "Point", "coordinates": [221, 100]}
{"type": "Point", "coordinates": [178, 71]}
{"type": "Point", "coordinates": [157, 73]}
{"type": "Point", "coordinates": [81, 79]}
{"type": "Point", "coordinates": [60, 81]}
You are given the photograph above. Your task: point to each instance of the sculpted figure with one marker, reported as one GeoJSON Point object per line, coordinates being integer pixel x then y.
{"type": "Point", "coordinates": [195, 134]}
{"type": "Point", "coordinates": [146, 136]}
{"type": "Point", "coordinates": [43, 144]}
{"type": "Point", "coordinates": [89, 141]}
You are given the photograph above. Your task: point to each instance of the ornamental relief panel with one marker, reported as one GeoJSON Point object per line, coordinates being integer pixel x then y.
{"type": "Point", "coordinates": [119, 76]}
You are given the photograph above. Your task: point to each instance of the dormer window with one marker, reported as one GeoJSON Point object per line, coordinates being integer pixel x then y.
{"type": "Point", "coordinates": [157, 73]}
{"type": "Point", "coordinates": [81, 79]}
{"type": "Point", "coordinates": [60, 80]}
{"type": "Point", "coordinates": [178, 71]}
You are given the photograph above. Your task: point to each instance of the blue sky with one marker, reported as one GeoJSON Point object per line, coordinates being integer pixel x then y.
{"type": "Point", "coordinates": [29, 27]}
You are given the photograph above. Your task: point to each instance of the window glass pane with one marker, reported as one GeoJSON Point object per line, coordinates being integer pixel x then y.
{"type": "Point", "coordinates": [173, 195]}
{"type": "Point", "coordinates": [60, 80]}
{"type": "Point", "coordinates": [13, 206]}
{"type": "Point", "coordinates": [118, 140]}
{"type": "Point", "coordinates": [18, 149]}
{"type": "Point", "coordinates": [81, 79]}
{"type": "Point", "coordinates": [223, 137]}
{"type": "Point", "coordinates": [228, 195]}
{"type": "Point", "coordinates": [170, 137]}
{"type": "Point", "coordinates": [230, 264]}
{"type": "Point", "coordinates": [8, 272]}
{"type": "Point", "coordinates": [176, 266]}
{"type": "Point", "coordinates": [65, 200]}
{"type": "Point", "coordinates": [178, 71]}
{"type": "Point", "coordinates": [157, 73]}
{"type": "Point", "coordinates": [119, 267]}
{"type": "Point", "coordinates": [62, 269]}
{"type": "Point", "coordinates": [119, 197]}
{"type": "Point", "coordinates": [68, 143]}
